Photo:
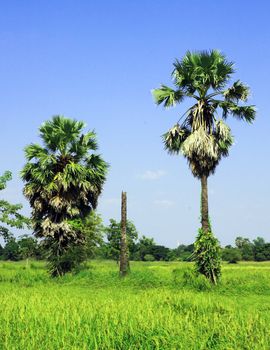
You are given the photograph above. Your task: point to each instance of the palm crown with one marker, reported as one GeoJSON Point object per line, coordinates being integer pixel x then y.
{"type": "Point", "coordinates": [63, 176]}
{"type": "Point", "coordinates": [201, 137]}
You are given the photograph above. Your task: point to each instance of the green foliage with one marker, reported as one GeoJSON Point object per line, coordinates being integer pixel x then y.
{"type": "Point", "coordinates": [183, 252]}
{"type": "Point", "coordinates": [113, 235]}
{"type": "Point", "coordinates": [11, 250]}
{"type": "Point", "coordinates": [232, 255]}
{"type": "Point", "coordinates": [70, 260]}
{"type": "Point", "coordinates": [207, 256]}
{"type": "Point", "coordinates": [27, 246]}
{"type": "Point", "coordinates": [202, 138]}
{"type": "Point", "coordinates": [144, 247]}
{"type": "Point", "coordinates": [149, 257]}
{"type": "Point", "coordinates": [92, 228]}
{"type": "Point", "coordinates": [259, 242]}
{"type": "Point", "coordinates": [246, 248]}
{"type": "Point", "coordinates": [159, 252]}
{"type": "Point", "coordinates": [262, 252]}
{"type": "Point", "coordinates": [63, 180]}
{"type": "Point", "coordinates": [188, 278]}
{"type": "Point", "coordinates": [9, 213]}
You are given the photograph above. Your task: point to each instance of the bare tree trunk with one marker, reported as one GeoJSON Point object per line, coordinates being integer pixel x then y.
{"type": "Point", "coordinates": [204, 205]}
{"type": "Point", "coordinates": [124, 264]}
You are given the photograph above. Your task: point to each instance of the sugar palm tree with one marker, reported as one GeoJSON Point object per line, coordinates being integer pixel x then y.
{"type": "Point", "coordinates": [63, 180]}
{"type": "Point", "coordinates": [200, 135]}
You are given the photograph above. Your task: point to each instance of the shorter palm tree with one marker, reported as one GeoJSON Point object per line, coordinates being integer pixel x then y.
{"type": "Point", "coordinates": [63, 180]}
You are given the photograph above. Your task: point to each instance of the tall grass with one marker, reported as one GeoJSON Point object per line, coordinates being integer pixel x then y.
{"type": "Point", "coordinates": [159, 306]}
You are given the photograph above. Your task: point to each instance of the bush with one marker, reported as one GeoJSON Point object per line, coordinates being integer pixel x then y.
{"type": "Point", "coordinates": [69, 261]}
{"type": "Point", "coordinates": [189, 278]}
{"type": "Point", "coordinates": [232, 255]}
{"type": "Point", "coordinates": [149, 257]}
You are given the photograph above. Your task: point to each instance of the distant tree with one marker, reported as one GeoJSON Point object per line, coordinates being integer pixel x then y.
{"type": "Point", "coordinates": [63, 180]}
{"type": "Point", "coordinates": [113, 234]}
{"type": "Point", "coordinates": [149, 257]}
{"type": "Point", "coordinates": [240, 242]}
{"type": "Point", "coordinates": [41, 252]}
{"type": "Point", "coordinates": [259, 242]}
{"type": "Point", "coordinates": [248, 252]}
{"type": "Point", "coordinates": [143, 247]}
{"type": "Point", "coordinates": [159, 252]}
{"type": "Point", "coordinates": [246, 248]}
{"type": "Point", "coordinates": [202, 138]}
{"type": "Point", "coordinates": [11, 250]}
{"type": "Point", "coordinates": [27, 246]}
{"type": "Point", "coordinates": [232, 255]}
{"type": "Point", "coordinates": [184, 252]}
{"type": "Point", "coordinates": [262, 252]}
{"type": "Point", "coordinates": [1, 252]}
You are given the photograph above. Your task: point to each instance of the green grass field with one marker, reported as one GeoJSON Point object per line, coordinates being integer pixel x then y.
{"type": "Point", "coordinates": [159, 306]}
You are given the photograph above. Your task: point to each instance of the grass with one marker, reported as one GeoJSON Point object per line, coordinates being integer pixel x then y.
{"type": "Point", "coordinates": [159, 306]}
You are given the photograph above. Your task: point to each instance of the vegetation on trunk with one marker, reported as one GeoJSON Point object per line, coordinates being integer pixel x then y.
{"type": "Point", "coordinates": [207, 250]}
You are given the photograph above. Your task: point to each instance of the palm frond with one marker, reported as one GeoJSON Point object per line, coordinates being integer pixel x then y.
{"type": "Point", "coordinates": [198, 71]}
{"type": "Point", "coordinates": [174, 138]}
{"type": "Point", "coordinates": [167, 96]}
{"type": "Point", "coordinates": [246, 113]}
{"type": "Point", "coordinates": [238, 91]}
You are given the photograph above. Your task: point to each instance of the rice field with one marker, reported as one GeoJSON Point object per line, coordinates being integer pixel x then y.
{"type": "Point", "coordinates": [160, 305]}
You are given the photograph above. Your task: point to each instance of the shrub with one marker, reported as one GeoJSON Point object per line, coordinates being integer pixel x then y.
{"type": "Point", "coordinates": [232, 255]}
{"type": "Point", "coordinates": [149, 257]}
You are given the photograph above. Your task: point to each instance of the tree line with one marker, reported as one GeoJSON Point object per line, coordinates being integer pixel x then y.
{"type": "Point", "coordinates": [103, 242]}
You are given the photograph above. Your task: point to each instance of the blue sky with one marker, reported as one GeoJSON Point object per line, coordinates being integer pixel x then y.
{"type": "Point", "coordinates": [97, 61]}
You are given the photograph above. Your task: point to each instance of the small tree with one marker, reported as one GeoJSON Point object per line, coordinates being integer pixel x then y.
{"type": "Point", "coordinates": [27, 247]}
{"type": "Point", "coordinates": [11, 250]}
{"type": "Point", "coordinates": [144, 246]}
{"type": "Point", "coordinates": [232, 255]}
{"type": "Point", "coordinates": [9, 213]}
{"type": "Point", "coordinates": [246, 248]}
{"type": "Point", "coordinates": [92, 229]}
{"type": "Point", "coordinates": [113, 234]}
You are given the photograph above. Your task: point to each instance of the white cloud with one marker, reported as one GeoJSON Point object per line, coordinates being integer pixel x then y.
{"type": "Point", "coordinates": [165, 203]}
{"type": "Point", "coordinates": [152, 175]}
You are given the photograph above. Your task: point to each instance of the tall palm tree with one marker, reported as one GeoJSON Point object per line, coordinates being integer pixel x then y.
{"type": "Point", "coordinates": [63, 180]}
{"type": "Point", "coordinates": [200, 135]}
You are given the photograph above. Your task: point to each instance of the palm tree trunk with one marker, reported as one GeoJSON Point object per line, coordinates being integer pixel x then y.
{"type": "Point", "coordinates": [204, 204]}
{"type": "Point", "coordinates": [124, 264]}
